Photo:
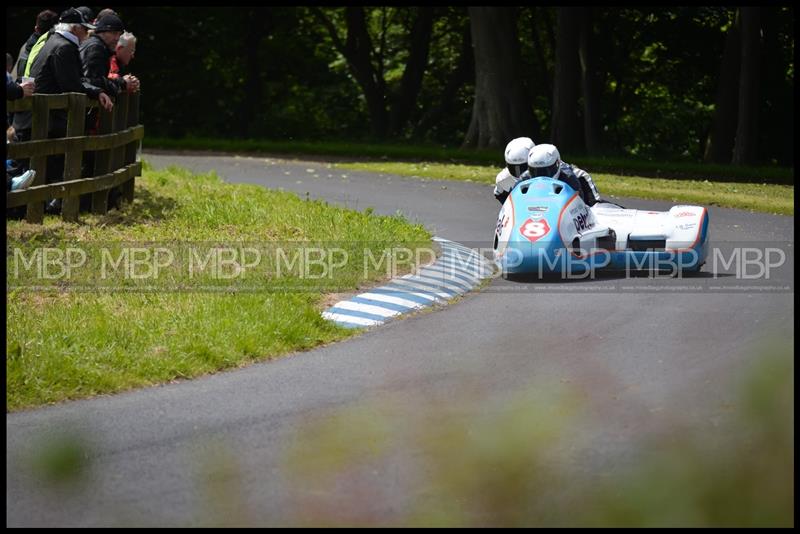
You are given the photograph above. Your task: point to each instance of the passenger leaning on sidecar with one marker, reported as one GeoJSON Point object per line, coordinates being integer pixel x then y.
{"type": "Point", "coordinates": [544, 160]}
{"type": "Point", "coordinates": [516, 157]}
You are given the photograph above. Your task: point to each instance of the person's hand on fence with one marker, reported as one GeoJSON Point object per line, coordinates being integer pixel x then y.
{"type": "Point", "coordinates": [28, 88]}
{"type": "Point", "coordinates": [105, 101]}
{"type": "Point", "coordinates": [132, 83]}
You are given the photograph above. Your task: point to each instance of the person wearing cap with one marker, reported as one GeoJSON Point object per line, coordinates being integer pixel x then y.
{"type": "Point", "coordinates": [88, 15]}
{"type": "Point", "coordinates": [96, 54]}
{"type": "Point", "coordinates": [58, 69]}
{"type": "Point", "coordinates": [72, 27]}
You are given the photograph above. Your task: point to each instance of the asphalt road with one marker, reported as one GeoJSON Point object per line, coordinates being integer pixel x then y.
{"type": "Point", "coordinates": [640, 355]}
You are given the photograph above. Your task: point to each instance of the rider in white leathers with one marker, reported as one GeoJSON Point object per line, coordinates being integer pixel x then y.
{"type": "Point", "coordinates": [542, 160]}
{"type": "Point", "coordinates": [516, 156]}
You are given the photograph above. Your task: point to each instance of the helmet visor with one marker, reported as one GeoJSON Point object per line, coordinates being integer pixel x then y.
{"type": "Point", "coordinates": [516, 169]}
{"type": "Point", "coordinates": [549, 171]}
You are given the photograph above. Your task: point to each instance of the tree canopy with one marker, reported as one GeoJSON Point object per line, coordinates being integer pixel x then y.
{"type": "Point", "coordinates": [698, 82]}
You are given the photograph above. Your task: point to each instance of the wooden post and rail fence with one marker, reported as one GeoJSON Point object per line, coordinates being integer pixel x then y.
{"type": "Point", "coordinates": [115, 146]}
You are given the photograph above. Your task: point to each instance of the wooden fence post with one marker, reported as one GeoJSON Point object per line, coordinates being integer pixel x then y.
{"type": "Point", "coordinates": [102, 163]}
{"type": "Point", "coordinates": [133, 120]}
{"type": "Point", "coordinates": [41, 121]}
{"type": "Point", "coordinates": [119, 123]}
{"type": "Point", "coordinates": [76, 120]}
{"type": "Point", "coordinates": [120, 154]}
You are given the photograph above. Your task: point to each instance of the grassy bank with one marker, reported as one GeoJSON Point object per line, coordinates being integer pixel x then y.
{"type": "Point", "coordinates": [768, 198]}
{"type": "Point", "coordinates": [677, 169]}
{"type": "Point", "coordinates": [67, 342]}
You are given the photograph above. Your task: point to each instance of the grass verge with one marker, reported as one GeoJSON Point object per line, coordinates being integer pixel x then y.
{"type": "Point", "coordinates": [67, 342]}
{"type": "Point", "coordinates": [768, 198]}
{"type": "Point", "coordinates": [360, 151]}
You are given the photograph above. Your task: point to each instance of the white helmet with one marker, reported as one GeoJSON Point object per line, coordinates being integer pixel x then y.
{"type": "Point", "coordinates": [517, 155]}
{"type": "Point", "coordinates": [544, 160]}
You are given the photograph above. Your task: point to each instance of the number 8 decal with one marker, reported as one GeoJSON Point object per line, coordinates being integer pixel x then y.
{"type": "Point", "coordinates": [533, 230]}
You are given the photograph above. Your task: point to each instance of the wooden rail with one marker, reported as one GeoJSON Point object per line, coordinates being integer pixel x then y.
{"type": "Point", "coordinates": [115, 149]}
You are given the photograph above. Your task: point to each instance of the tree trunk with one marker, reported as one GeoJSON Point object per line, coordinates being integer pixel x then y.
{"type": "Point", "coordinates": [544, 77]}
{"type": "Point", "coordinates": [500, 111]}
{"type": "Point", "coordinates": [719, 148]}
{"type": "Point", "coordinates": [776, 111]}
{"type": "Point", "coordinates": [258, 18]}
{"type": "Point", "coordinates": [566, 131]}
{"type": "Point", "coordinates": [745, 149]}
{"type": "Point", "coordinates": [591, 100]}
{"type": "Point", "coordinates": [403, 106]}
{"type": "Point", "coordinates": [357, 50]}
{"type": "Point", "coordinates": [461, 74]}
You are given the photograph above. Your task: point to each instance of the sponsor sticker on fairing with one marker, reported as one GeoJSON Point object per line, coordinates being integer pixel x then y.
{"type": "Point", "coordinates": [582, 222]}
{"type": "Point", "coordinates": [501, 223]}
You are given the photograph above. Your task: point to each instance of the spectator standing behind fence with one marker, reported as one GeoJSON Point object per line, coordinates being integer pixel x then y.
{"type": "Point", "coordinates": [22, 120]}
{"type": "Point", "coordinates": [16, 177]}
{"type": "Point", "coordinates": [126, 49]}
{"type": "Point", "coordinates": [96, 54]}
{"type": "Point", "coordinates": [88, 15]}
{"type": "Point", "coordinates": [45, 20]}
{"type": "Point", "coordinates": [16, 90]}
{"type": "Point", "coordinates": [57, 69]}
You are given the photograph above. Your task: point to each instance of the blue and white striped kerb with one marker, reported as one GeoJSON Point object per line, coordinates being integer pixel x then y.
{"type": "Point", "coordinates": [456, 271]}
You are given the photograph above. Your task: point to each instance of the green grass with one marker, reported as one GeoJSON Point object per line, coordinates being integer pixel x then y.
{"type": "Point", "coordinates": [768, 198]}
{"type": "Point", "coordinates": [359, 151]}
{"type": "Point", "coordinates": [66, 344]}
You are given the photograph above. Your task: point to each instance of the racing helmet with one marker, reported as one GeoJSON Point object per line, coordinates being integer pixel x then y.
{"type": "Point", "coordinates": [516, 155]}
{"type": "Point", "coordinates": [544, 160]}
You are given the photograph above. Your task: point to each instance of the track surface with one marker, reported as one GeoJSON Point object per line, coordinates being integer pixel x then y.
{"type": "Point", "coordinates": [638, 353]}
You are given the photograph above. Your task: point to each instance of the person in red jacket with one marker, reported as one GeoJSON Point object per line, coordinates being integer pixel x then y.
{"type": "Point", "coordinates": [125, 51]}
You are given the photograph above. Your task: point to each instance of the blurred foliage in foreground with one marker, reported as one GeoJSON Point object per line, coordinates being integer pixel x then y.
{"type": "Point", "coordinates": [515, 469]}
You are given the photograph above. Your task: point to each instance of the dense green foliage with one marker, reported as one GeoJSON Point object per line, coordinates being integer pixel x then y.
{"type": "Point", "coordinates": [277, 73]}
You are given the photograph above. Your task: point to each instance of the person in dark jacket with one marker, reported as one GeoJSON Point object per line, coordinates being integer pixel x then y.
{"type": "Point", "coordinates": [44, 21]}
{"type": "Point", "coordinates": [58, 69]}
{"type": "Point", "coordinates": [96, 54]}
{"type": "Point", "coordinates": [21, 178]}
{"type": "Point", "coordinates": [15, 91]}
{"type": "Point", "coordinates": [88, 15]}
